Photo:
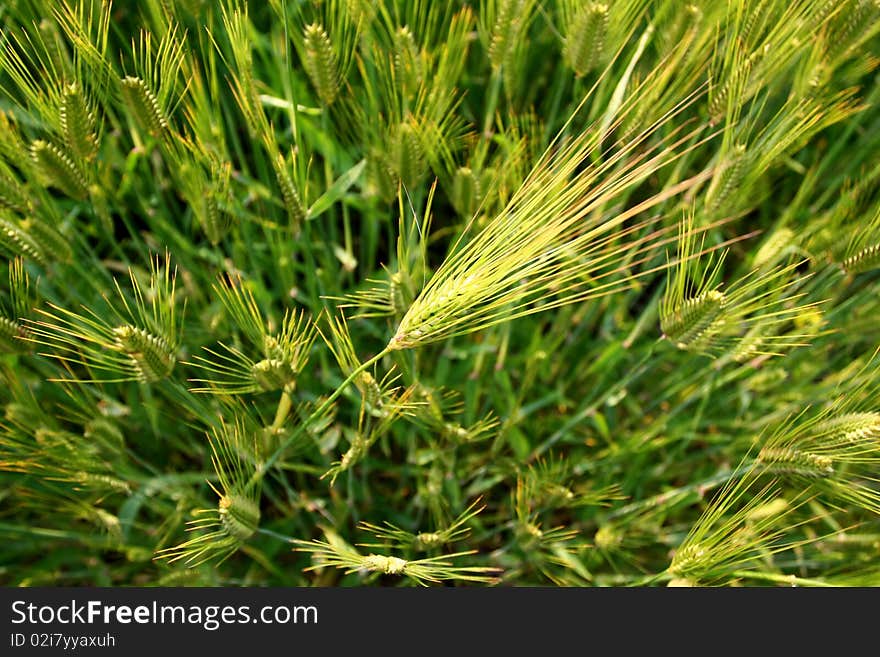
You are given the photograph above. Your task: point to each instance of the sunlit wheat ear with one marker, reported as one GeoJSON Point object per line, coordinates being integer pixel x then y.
{"type": "Point", "coordinates": [152, 356]}
{"type": "Point", "coordinates": [560, 239]}
{"type": "Point", "coordinates": [78, 123]}
{"type": "Point", "coordinates": [691, 319]}
{"type": "Point", "coordinates": [863, 260]}
{"type": "Point", "coordinates": [789, 461]}
{"type": "Point", "coordinates": [221, 531]}
{"type": "Point", "coordinates": [848, 428]}
{"type": "Point", "coordinates": [276, 357]}
{"type": "Point", "coordinates": [135, 337]}
{"type": "Point", "coordinates": [391, 536]}
{"type": "Point", "coordinates": [328, 43]}
{"type": "Point", "coordinates": [585, 33]}
{"type": "Point", "coordinates": [59, 169]}
{"type": "Point", "coordinates": [319, 61]}
{"type": "Point", "coordinates": [150, 92]}
{"type": "Point", "coordinates": [335, 552]}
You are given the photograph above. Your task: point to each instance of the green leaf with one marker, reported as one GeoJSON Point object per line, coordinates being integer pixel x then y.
{"type": "Point", "coordinates": [336, 191]}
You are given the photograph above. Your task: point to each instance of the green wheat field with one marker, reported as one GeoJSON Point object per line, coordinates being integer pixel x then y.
{"type": "Point", "coordinates": [466, 293]}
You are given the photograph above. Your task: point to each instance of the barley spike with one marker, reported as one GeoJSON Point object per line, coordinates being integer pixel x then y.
{"type": "Point", "coordinates": [151, 356]}
{"type": "Point", "coordinates": [78, 124]}
{"type": "Point", "coordinates": [144, 106]}
{"type": "Point", "coordinates": [693, 318]}
{"type": "Point", "coordinates": [585, 40]}
{"type": "Point", "coordinates": [321, 64]}
{"type": "Point", "coordinates": [59, 169]}
{"type": "Point", "coordinates": [787, 460]}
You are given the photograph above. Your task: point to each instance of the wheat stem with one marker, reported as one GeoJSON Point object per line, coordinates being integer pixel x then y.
{"type": "Point", "coordinates": [283, 410]}
{"type": "Point", "coordinates": [775, 578]}
{"type": "Point", "coordinates": [698, 488]}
